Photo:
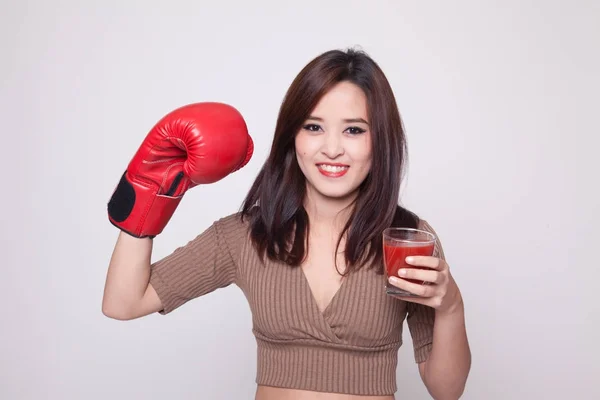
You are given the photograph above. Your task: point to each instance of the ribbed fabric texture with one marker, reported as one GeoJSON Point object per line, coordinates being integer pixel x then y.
{"type": "Point", "coordinates": [351, 347]}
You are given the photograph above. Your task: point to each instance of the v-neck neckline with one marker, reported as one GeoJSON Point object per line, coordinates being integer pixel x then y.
{"type": "Point", "coordinates": [338, 293]}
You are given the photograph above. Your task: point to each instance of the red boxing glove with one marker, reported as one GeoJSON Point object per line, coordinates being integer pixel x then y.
{"type": "Point", "coordinates": [196, 144]}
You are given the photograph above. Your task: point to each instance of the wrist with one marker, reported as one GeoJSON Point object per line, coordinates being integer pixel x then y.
{"type": "Point", "coordinates": [454, 306]}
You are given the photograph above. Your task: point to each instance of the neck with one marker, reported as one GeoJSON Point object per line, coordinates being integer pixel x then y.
{"type": "Point", "coordinates": [326, 211]}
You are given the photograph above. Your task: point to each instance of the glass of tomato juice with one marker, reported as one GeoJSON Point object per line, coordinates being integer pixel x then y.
{"type": "Point", "coordinates": [399, 243]}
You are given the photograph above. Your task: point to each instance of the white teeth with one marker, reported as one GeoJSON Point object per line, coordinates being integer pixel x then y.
{"type": "Point", "coordinates": [332, 168]}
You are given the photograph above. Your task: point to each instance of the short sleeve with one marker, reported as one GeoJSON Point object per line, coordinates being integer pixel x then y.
{"type": "Point", "coordinates": [421, 318]}
{"type": "Point", "coordinates": [203, 265]}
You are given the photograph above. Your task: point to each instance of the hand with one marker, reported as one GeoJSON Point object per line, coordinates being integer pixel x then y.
{"type": "Point", "coordinates": [439, 290]}
{"type": "Point", "coordinates": [196, 144]}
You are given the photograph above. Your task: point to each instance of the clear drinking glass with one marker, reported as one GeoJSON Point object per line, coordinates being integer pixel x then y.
{"type": "Point", "coordinates": [399, 243]}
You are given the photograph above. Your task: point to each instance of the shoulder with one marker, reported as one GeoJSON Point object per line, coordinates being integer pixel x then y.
{"type": "Point", "coordinates": [233, 226]}
{"type": "Point", "coordinates": [426, 226]}
{"type": "Point", "coordinates": [232, 222]}
{"type": "Point", "coordinates": [232, 231]}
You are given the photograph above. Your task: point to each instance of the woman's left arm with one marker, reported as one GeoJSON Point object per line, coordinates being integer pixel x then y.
{"type": "Point", "coordinates": [447, 367]}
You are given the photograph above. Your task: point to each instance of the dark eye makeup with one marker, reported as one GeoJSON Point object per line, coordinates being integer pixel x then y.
{"type": "Point", "coordinates": [353, 130]}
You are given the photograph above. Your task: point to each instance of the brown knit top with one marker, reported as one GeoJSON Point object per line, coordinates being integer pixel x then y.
{"type": "Point", "coordinates": [351, 347]}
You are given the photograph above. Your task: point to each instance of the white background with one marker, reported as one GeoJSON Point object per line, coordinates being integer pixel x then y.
{"type": "Point", "coordinates": [500, 102]}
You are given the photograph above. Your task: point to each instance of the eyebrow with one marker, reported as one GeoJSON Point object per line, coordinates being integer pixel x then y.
{"type": "Point", "coordinates": [347, 120]}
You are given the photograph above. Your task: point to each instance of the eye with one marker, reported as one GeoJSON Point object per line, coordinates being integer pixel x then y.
{"type": "Point", "coordinates": [355, 130]}
{"type": "Point", "coordinates": [312, 127]}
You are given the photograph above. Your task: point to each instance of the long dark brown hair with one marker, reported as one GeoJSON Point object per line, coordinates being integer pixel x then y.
{"type": "Point", "coordinates": [274, 205]}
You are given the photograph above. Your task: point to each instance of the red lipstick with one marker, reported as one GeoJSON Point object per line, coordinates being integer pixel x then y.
{"type": "Point", "coordinates": [333, 170]}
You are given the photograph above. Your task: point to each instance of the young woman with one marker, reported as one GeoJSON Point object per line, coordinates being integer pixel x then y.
{"type": "Point", "coordinates": [306, 248]}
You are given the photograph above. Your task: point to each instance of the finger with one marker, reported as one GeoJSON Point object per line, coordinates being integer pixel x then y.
{"type": "Point", "coordinates": [414, 288]}
{"type": "Point", "coordinates": [425, 261]}
{"type": "Point", "coordinates": [433, 302]}
{"type": "Point", "coordinates": [426, 275]}
{"type": "Point", "coordinates": [418, 300]}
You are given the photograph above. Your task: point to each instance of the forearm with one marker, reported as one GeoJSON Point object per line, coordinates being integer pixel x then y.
{"type": "Point", "coordinates": [449, 363]}
{"type": "Point", "coordinates": [128, 276]}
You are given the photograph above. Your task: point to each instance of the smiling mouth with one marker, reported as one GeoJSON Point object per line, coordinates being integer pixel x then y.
{"type": "Point", "coordinates": [333, 170]}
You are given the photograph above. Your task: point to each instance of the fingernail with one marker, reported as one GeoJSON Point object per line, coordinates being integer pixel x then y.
{"type": "Point", "coordinates": [402, 272]}
{"type": "Point", "coordinates": [409, 259]}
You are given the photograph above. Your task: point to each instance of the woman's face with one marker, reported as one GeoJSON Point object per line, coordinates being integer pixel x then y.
{"type": "Point", "coordinates": [333, 147]}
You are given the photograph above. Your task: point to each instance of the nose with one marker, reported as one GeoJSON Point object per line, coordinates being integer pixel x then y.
{"type": "Point", "coordinates": [332, 145]}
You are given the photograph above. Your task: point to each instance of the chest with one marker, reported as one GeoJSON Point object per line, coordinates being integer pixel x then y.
{"type": "Point", "coordinates": [312, 303]}
{"type": "Point", "coordinates": [322, 271]}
